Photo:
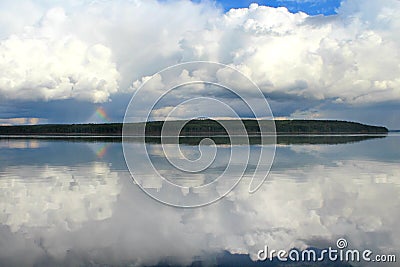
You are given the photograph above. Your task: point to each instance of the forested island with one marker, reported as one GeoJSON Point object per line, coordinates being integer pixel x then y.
{"type": "Point", "coordinates": [198, 127]}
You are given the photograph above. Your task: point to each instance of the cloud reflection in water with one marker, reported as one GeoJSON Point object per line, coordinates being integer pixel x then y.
{"type": "Point", "coordinates": [93, 213]}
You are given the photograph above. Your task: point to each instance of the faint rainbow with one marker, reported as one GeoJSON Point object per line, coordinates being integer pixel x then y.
{"type": "Point", "coordinates": [102, 114]}
{"type": "Point", "coordinates": [102, 151]}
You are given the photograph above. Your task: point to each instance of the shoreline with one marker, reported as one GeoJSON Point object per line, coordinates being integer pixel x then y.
{"type": "Point", "coordinates": [22, 136]}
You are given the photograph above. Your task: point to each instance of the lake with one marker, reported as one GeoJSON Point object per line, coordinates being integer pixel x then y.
{"type": "Point", "coordinates": [73, 202]}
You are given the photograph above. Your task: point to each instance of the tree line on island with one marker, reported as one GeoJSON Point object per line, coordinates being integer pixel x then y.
{"type": "Point", "coordinates": [199, 127]}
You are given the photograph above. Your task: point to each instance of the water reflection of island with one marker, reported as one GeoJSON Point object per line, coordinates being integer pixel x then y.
{"type": "Point", "coordinates": [280, 139]}
{"type": "Point", "coordinates": [219, 140]}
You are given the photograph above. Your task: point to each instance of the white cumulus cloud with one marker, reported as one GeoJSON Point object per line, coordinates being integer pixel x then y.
{"type": "Point", "coordinates": [43, 64]}
{"type": "Point", "coordinates": [92, 50]}
{"type": "Point", "coordinates": [351, 57]}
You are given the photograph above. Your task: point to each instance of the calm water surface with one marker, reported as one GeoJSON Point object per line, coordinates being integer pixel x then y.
{"type": "Point", "coordinates": [74, 203]}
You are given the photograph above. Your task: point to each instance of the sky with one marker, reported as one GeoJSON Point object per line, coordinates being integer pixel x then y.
{"type": "Point", "coordinates": [80, 61]}
{"type": "Point", "coordinates": [311, 7]}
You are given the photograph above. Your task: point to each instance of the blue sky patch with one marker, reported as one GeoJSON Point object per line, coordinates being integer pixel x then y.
{"type": "Point", "coordinates": [311, 7]}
